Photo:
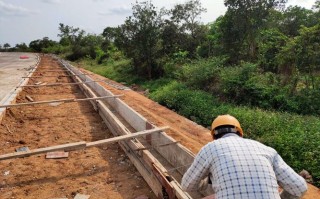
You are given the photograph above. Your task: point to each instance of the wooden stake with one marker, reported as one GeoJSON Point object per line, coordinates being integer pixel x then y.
{"type": "Point", "coordinates": [61, 100]}
{"type": "Point", "coordinates": [80, 145]}
{"type": "Point", "coordinates": [29, 98]}
{"type": "Point", "coordinates": [8, 129]}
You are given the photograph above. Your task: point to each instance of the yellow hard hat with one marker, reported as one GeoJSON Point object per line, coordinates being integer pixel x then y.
{"type": "Point", "coordinates": [224, 120]}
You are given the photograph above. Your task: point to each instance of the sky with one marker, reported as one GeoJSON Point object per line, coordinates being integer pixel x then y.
{"type": "Point", "coordinates": [28, 20]}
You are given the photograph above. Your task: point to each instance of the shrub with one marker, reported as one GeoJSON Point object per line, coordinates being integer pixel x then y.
{"type": "Point", "coordinates": [202, 74]}
{"type": "Point", "coordinates": [194, 104]}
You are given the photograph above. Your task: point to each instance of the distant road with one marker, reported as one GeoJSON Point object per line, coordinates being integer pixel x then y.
{"type": "Point", "coordinates": [12, 68]}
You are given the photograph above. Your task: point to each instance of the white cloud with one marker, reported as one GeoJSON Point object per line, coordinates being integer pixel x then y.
{"type": "Point", "coordinates": [52, 1]}
{"type": "Point", "coordinates": [122, 10]}
{"type": "Point", "coordinates": [13, 10]}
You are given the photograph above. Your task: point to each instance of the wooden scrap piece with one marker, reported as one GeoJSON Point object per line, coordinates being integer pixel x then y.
{"type": "Point", "coordinates": [57, 155]}
{"type": "Point", "coordinates": [23, 149]}
{"type": "Point", "coordinates": [58, 198]}
{"type": "Point", "coordinates": [8, 129]}
{"type": "Point", "coordinates": [38, 83]}
{"type": "Point", "coordinates": [29, 98]}
{"type": "Point", "coordinates": [81, 196]}
{"type": "Point", "coordinates": [54, 104]}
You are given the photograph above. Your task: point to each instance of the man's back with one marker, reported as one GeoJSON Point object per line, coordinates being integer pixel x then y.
{"type": "Point", "coordinates": [241, 168]}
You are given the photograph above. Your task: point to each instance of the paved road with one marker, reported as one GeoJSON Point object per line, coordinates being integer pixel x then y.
{"type": "Point", "coordinates": [12, 68]}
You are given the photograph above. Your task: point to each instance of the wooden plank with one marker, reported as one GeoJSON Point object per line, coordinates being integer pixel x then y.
{"type": "Point", "coordinates": [126, 137]}
{"type": "Point", "coordinates": [57, 155]}
{"type": "Point", "coordinates": [54, 76]}
{"type": "Point", "coordinates": [66, 147]}
{"type": "Point", "coordinates": [60, 84]}
{"type": "Point", "coordinates": [45, 71]}
{"type": "Point", "coordinates": [61, 100]}
{"type": "Point", "coordinates": [79, 145]}
{"type": "Point", "coordinates": [81, 196]}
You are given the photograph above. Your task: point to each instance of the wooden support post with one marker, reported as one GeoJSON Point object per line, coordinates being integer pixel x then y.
{"type": "Point", "coordinates": [80, 145]}
{"type": "Point", "coordinates": [61, 100]}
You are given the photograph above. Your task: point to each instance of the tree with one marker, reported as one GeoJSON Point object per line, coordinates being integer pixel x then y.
{"type": "Point", "coordinates": [69, 34]}
{"type": "Point", "coordinates": [246, 18]}
{"type": "Point", "coordinates": [6, 46]}
{"type": "Point", "coordinates": [22, 47]}
{"type": "Point", "coordinates": [271, 41]}
{"type": "Point", "coordinates": [302, 54]}
{"type": "Point", "coordinates": [138, 37]}
{"type": "Point", "coordinates": [212, 45]}
{"type": "Point", "coordinates": [40, 44]}
{"type": "Point", "coordinates": [186, 26]}
{"type": "Point", "coordinates": [294, 18]}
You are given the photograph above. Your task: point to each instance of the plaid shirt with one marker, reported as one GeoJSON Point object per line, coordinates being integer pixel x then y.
{"type": "Point", "coordinates": [242, 168]}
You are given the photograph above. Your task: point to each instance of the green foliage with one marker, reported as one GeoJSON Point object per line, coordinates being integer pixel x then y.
{"type": "Point", "coordinates": [40, 44]}
{"type": "Point", "coordinates": [194, 104]}
{"type": "Point", "coordinates": [100, 54]}
{"type": "Point", "coordinates": [294, 18]}
{"type": "Point", "coordinates": [138, 38]}
{"type": "Point", "coordinates": [154, 85]}
{"type": "Point", "coordinates": [202, 74]}
{"type": "Point", "coordinates": [271, 43]}
{"type": "Point", "coordinates": [242, 22]}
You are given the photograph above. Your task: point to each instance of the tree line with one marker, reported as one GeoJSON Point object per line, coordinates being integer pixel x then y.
{"type": "Point", "coordinates": [255, 38]}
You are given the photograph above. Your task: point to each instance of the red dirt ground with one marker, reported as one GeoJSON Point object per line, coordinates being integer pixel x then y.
{"type": "Point", "coordinates": [103, 172]}
{"type": "Point", "coordinates": [189, 134]}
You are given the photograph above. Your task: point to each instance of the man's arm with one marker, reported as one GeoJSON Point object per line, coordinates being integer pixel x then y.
{"type": "Point", "coordinates": [292, 183]}
{"type": "Point", "coordinates": [197, 171]}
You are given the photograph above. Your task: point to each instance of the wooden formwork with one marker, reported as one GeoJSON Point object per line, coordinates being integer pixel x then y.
{"type": "Point", "coordinates": [156, 165]}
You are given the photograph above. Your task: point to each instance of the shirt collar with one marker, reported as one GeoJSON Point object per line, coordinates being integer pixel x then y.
{"type": "Point", "coordinates": [230, 135]}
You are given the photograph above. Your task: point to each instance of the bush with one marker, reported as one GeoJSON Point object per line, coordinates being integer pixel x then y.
{"type": "Point", "coordinates": [193, 104]}
{"type": "Point", "coordinates": [202, 74]}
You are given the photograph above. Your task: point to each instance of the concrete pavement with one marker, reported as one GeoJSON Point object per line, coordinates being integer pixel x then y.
{"type": "Point", "coordinates": [12, 68]}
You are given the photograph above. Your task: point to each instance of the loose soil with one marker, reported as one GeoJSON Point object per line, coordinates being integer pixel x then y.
{"type": "Point", "coordinates": [103, 172]}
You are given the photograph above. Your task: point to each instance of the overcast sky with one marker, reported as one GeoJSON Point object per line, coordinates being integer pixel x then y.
{"type": "Point", "coordinates": [28, 20]}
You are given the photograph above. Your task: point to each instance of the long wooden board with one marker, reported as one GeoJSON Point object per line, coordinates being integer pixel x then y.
{"type": "Point", "coordinates": [60, 84]}
{"type": "Point", "coordinates": [51, 76]}
{"type": "Point", "coordinates": [61, 100]}
{"type": "Point", "coordinates": [80, 145]}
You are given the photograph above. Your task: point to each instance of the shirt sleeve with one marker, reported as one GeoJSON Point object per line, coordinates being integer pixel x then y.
{"type": "Point", "coordinates": [199, 169]}
{"type": "Point", "coordinates": [288, 179]}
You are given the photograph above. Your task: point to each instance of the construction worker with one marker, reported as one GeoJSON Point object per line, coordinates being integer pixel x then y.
{"type": "Point", "coordinates": [241, 168]}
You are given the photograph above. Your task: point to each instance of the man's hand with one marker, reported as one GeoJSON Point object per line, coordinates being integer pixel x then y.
{"type": "Point", "coordinates": [306, 175]}
{"type": "Point", "coordinates": [209, 197]}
